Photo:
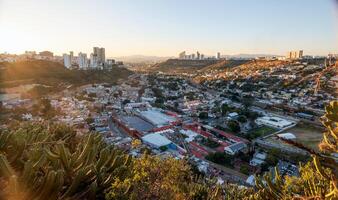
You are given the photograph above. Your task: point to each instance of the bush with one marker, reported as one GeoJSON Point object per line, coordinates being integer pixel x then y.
{"type": "Point", "coordinates": [220, 158]}
{"type": "Point", "coordinates": [203, 115]}
{"type": "Point", "coordinates": [234, 126]}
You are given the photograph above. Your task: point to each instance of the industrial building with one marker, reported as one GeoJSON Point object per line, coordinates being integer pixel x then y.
{"type": "Point", "coordinates": [275, 122]}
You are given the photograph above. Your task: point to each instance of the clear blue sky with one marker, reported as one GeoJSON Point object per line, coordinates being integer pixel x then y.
{"type": "Point", "coordinates": [166, 27]}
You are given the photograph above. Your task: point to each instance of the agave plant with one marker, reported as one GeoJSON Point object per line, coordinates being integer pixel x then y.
{"type": "Point", "coordinates": [46, 163]}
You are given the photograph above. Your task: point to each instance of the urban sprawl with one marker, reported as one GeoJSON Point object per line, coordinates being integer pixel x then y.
{"type": "Point", "coordinates": [231, 125]}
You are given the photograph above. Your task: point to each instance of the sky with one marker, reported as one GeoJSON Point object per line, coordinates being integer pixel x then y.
{"type": "Point", "coordinates": [167, 27]}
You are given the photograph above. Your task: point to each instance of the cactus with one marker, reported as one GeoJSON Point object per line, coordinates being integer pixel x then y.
{"type": "Point", "coordinates": [47, 166]}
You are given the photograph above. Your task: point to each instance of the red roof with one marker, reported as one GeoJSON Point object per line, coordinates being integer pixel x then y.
{"type": "Point", "coordinates": [197, 154]}
{"type": "Point", "coordinates": [194, 127]}
{"type": "Point", "coordinates": [161, 128]}
{"type": "Point", "coordinates": [230, 136]}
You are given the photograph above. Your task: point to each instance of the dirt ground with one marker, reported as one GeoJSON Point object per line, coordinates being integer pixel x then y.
{"type": "Point", "coordinates": [307, 134]}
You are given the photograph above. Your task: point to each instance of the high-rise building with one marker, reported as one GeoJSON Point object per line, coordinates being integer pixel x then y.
{"type": "Point", "coordinates": [294, 54]}
{"type": "Point", "coordinates": [300, 53]}
{"type": "Point", "coordinates": [82, 60]}
{"type": "Point", "coordinates": [100, 54]}
{"type": "Point", "coordinates": [182, 55]}
{"type": "Point", "coordinates": [71, 54]}
{"type": "Point", "coordinates": [202, 56]}
{"type": "Point", "coordinates": [218, 55]}
{"type": "Point", "coordinates": [67, 61]}
{"type": "Point", "coordinates": [198, 55]}
{"type": "Point", "coordinates": [93, 60]}
{"type": "Point", "coordinates": [193, 56]}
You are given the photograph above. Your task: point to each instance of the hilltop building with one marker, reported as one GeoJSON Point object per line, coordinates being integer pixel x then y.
{"type": "Point", "coordinates": [182, 55]}
{"type": "Point", "coordinates": [294, 55]}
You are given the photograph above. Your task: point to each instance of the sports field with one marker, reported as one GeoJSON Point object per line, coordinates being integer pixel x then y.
{"type": "Point", "coordinates": [307, 134]}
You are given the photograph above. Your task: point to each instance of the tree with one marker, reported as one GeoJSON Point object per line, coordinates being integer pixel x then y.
{"type": "Point", "coordinates": [124, 102]}
{"type": "Point", "coordinates": [234, 126]}
{"type": "Point", "coordinates": [244, 169]}
{"type": "Point", "coordinates": [203, 115]}
{"type": "Point", "coordinates": [90, 120]}
{"type": "Point", "coordinates": [153, 178]}
{"type": "Point", "coordinates": [220, 158]}
{"type": "Point", "coordinates": [225, 108]}
{"type": "Point", "coordinates": [136, 143]}
{"type": "Point", "coordinates": [242, 119]}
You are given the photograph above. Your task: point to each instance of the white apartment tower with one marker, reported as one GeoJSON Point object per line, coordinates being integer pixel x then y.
{"type": "Point", "coordinates": [82, 60]}
{"type": "Point", "coordinates": [67, 61]}
{"type": "Point", "coordinates": [93, 60]}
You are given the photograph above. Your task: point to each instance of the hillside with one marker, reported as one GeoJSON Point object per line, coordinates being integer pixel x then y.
{"type": "Point", "coordinates": [224, 64]}
{"type": "Point", "coordinates": [182, 66]}
{"type": "Point", "coordinates": [52, 73]}
{"type": "Point", "coordinates": [236, 68]}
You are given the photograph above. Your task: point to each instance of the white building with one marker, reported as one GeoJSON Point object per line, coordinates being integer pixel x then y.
{"type": "Point", "coordinates": [93, 61]}
{"type": "Point", "coordinates": [235, 148]}
{"type": "Point", "coordinates": [67, 61]}
{"type": "Point", "coordinates": [156, 140]}
{"type": "Point", "coordinates": [258, 159]}
{"type": "Point", "coordinates": [82, 60]}
{"type": "Point", "coordinates": [156, 117]}
{"type": "Point", "coordinates": [275, 122]}
{"type": "Point", "coordinates": [182, 55]}
{"type": "Point", "coordinates": [287, 136]}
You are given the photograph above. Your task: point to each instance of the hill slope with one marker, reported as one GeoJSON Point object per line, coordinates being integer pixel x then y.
{"type": "Point", "coordinates": [182, 66]}
{"type": "Point", "coordinates": [52, 73]}
{"type": "Point", "coordinates": [224, 64]}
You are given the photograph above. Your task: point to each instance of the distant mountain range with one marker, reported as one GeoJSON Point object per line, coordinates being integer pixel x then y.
{"type": "Point", "coordinates": [242, 55]}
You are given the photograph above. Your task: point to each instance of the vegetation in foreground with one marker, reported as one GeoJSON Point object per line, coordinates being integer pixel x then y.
{"type": "Point", "coordinates": [46, 161]}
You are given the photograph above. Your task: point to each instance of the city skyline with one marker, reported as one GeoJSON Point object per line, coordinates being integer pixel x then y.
{"type": "Point", "coordinates": [165, 28]}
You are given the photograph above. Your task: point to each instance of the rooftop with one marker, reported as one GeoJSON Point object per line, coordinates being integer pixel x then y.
{"type": "Point", "coordinates": [156, 139]}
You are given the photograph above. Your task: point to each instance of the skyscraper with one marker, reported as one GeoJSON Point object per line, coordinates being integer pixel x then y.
{"type": "Point", "coordinates": [71, 54]}
{"type": "Point", "coordinates": [82, 60]}
{"type": "Point", "coordinates": [193, 56]}
{"type": "Point", "coordinates": [294, 54]}
{"type": "Point", "coordinates": [218, 55]}
{"type": "Point", "coordinates": [181, 55]}
{"type": "Point", "coordinates": [93, 60]}
{"type": "Point", "coordinates": [66, 61]}
{"type": "Point", "coordinates": [100, 54]}
{"type": "Point", "coordinates": [198, 55]}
